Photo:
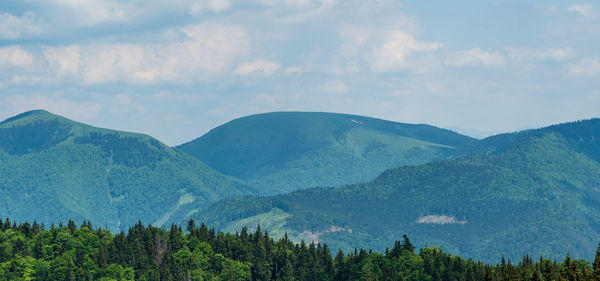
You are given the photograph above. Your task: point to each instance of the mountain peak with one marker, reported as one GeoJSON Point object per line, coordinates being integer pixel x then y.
{"type": "Point", "coordinates": [33, 131]}
{"type": "Point", "coordinates": [36, 114]}
{"type": "Point", "coordinates": [277, 151]}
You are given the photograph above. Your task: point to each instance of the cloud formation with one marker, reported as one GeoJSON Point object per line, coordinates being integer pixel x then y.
{"type": "Point", "coordinates": [541, 54]}
{"type": "Point", "coordinates": [264, 67]}
{"type": "Point", "coordinates": [215, 6]}
{"type": "Point", "coordinates": [14, 27]}
{"type": "Point", "coordinates": [397, 50]}
{"type": "Point", "coordinates": [475, 57]}
{"type": "Point", "coordinates": [588, 67]}
{"type": "Point", "coordinates": [15, 56]}
{"type": "Point", "coordinates": [206, 49]}
{"type": "Point", "coordinates": [586, 10]}
{"type": "Point", "coordinates": [93, 12]}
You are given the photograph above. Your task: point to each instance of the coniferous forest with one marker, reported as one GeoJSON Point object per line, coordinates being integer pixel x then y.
{"type": "Point", "coordinates": [535, 191]}
{"type": "Point", "coordinates": [32, 251]}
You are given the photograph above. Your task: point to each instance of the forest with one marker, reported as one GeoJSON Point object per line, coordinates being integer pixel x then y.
{"type": "Point", "coordinates": [524, 188]}
{"type": "Point", "coordinates": [34, 251]}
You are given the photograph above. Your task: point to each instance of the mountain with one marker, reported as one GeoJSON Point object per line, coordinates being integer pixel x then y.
{"type": "Point", "coordinates": [53, 169]}
{"type": "Point", "coordinates": [535, 191]}
{"type": "Point", "coordinates": [284, 151]}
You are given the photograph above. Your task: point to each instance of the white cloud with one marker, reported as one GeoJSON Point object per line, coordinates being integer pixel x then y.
{"type": "Point", "coordinates": [292, 70]}
{"type": "Point", "coordinates": [208, 49]}
{"type": "Point", "coordinates": [548, 54]}
{"type": "Point", "coordinates": [296, 11]}
{"type": "Point", "coordinates": [586, 10]}
{"type": "Point", "coordinates": [396, 52]}
{"type": "Point", "coordinates": [94, 12]}
{"type": "Point", "coordinates": [109, 62]}
{"type": "Point", "coordinates": [13, 27]}
{"type": "Point", "coordinates": [211, 47]}
{"type": "Point", "coordinates": [589, 67]}
{"type": "Point", "coordinates": [15, 56]}
{"type": "Point", "coordinates": [319, 4]}
{"type": "Point", "coordinates": [64, 60]}
{"type": "Point", "coordinates": [74, 14]}
{"type": "Point", "coordinates": [215, 6]}
{"type": "Point", "coordinates": [354, 38]}
{"type": "Point", "coordinates": [258, 66]}
{"type": "Point", "coordinates": [475, 57]}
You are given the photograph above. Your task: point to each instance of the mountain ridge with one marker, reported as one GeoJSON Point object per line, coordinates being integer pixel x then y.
{"type": "Point", "coordinates": [285, 151]}
{"type": "Point", "coordinates": [531, 186]}
{"type": "Point", "coordinates": [53, 168]}
{"type": "Point", "coordinates": [509, 189]}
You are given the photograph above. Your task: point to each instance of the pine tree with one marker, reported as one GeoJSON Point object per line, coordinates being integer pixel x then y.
{"type": "Point", "coordinates": [175, 243]}
{"type": "Point", "coordinates": [327, 262]}
{"type": "Point", "coordinates": [7, 224]}
{"type": "Point", "coordinates": [38, 248]}
{"type": "Point", "coordinates": [596, 265]}
{"type": "Point", "coordinates": [35, 228]}
{"type": "Point", "coordinates": [191, 225]}
{"type": "Point", "coordinates": [287, 269]}
{"type": "Point", "coordinates": [406, 245]}
{"type": "Point", "coordinates": [396, 251]}
{"type": "Point", "coordinates": [25, 228]}
{"type": "Point", "coordinates": [340, 267]}
{"type": "Point", "coordinates": [72, 227]}
{"type": "Point", "coordinates": [261, 268]}
{"type": "Point", "coordinates": [487, 275]}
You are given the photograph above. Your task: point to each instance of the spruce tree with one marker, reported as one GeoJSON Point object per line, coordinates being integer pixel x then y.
{"type": "Point", "coordinates": [596, 265]}
{"type": "Point", "coordinates": [406, 245]}
{"type": "Point", "coordinates": [72, 227]}
{"type": "Point", "coordinates": [340, 272]}
{"type": "Point", "coordinates": [191, 225]}
{"type": "Point", "coordinates": [7, 224]}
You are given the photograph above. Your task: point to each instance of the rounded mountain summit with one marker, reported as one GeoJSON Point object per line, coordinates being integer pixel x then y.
{"type": "Point", "coordinates": [285, 151]}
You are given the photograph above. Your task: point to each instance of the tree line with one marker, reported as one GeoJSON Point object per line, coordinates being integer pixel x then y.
{"type": "Point", "coordinates": [70, 252]}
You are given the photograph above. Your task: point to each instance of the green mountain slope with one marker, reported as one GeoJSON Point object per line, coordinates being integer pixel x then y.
{"type": "Point", "coordinates": [285, 151]}
{"type": "Point", "coordinates": [536, 191]}
{"type": "Point", "coordinates": [54, 169]}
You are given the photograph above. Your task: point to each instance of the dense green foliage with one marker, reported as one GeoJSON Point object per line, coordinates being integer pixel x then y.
{"type": "Point", "coordinates": [285, 151]}
{"type": "Point", "coordinates": [34, 137]}
{"type": "Point", "coordinates": [52, 168]}
{"type": "Point", "coordinates": [128, 151]}
{"type": "Point", "coordinates": [536, 191]}
{"type": "Point", "coordinates": [29, 252]}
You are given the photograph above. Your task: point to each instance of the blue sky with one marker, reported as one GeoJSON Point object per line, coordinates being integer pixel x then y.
{"type": "Point", "coordinates": [176, 69]}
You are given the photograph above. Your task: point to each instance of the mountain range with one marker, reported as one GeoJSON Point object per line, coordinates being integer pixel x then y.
{"type": "Point", "coordinates": [535, 191]}
{"type": "Point", "coordinates": [53, 169]}
{"type": "Point", "coordinates": [351, 181]}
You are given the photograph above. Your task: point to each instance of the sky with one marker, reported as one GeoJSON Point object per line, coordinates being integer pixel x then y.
{"type": "Point", "coordinates": [176, 69]}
